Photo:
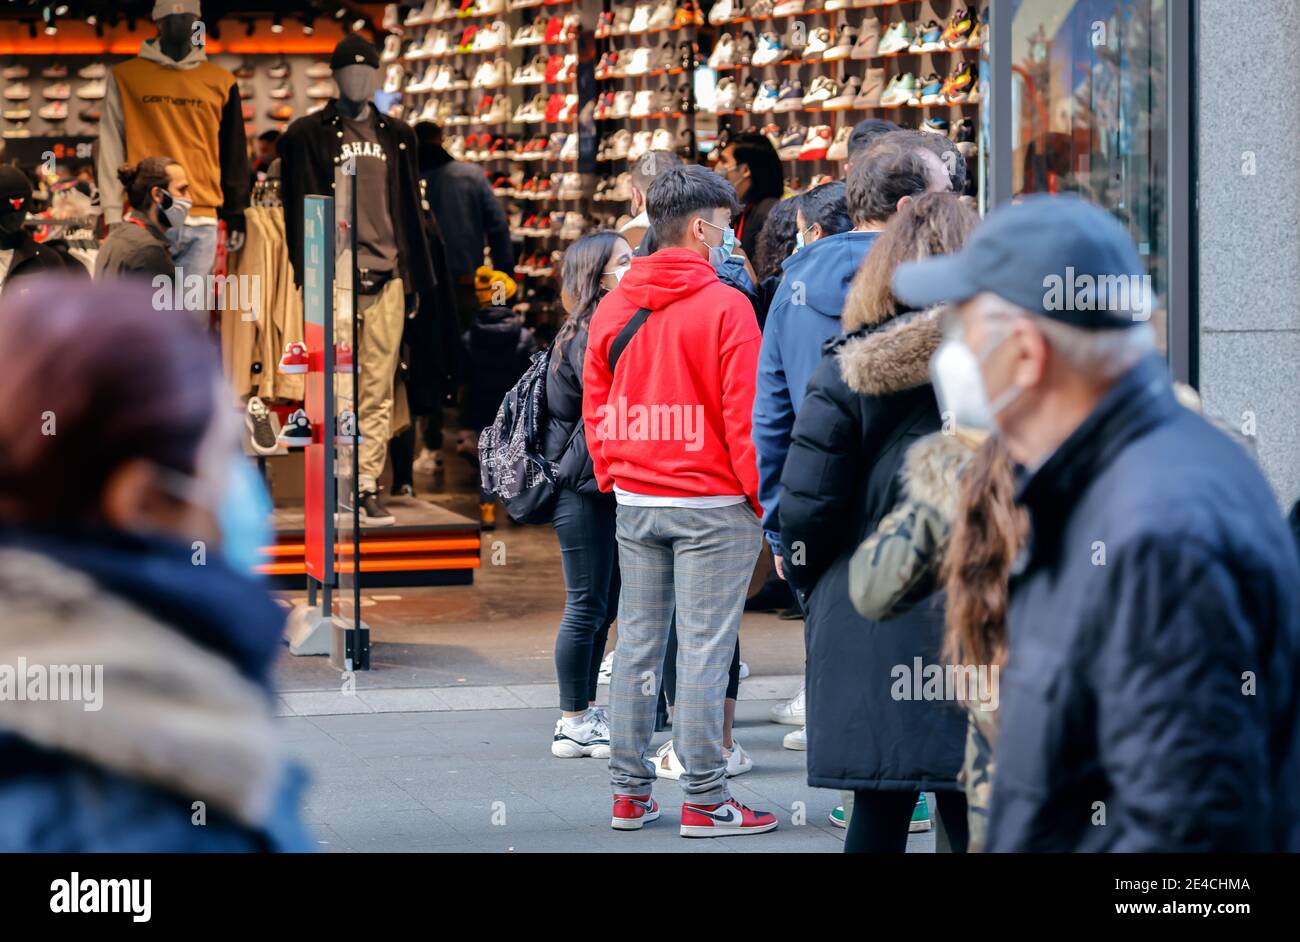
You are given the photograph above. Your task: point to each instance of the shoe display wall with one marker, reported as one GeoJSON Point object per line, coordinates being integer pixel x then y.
{"type": "Point", "coordinates": [821, 66]}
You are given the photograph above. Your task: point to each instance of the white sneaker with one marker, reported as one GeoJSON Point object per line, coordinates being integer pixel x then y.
{"type": "Point", "coordinates": [606, 666]}
{"type": "Point", "coordinates": [738, 761]}
{"type": "Point", "coordinates": [796, 741]}
{"type": "Point", "coordinates": [790, 713]}
{"type": "Point", "coordinates": [586, 735]}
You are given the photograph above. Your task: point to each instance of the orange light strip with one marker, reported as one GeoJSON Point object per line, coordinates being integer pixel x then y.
{"type": "Point", "coordinates": [379, 565]}
{"type": "Point", "coordinates": [448, 544]}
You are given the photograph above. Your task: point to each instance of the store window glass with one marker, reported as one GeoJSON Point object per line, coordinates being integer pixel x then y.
{"type": "Point", "coordinates": [1090, 115]}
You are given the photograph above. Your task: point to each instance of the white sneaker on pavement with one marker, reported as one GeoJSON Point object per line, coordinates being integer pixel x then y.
{"type": "Point", "coordinates": [738, 760]}
{"type": "Point", "coordinates": [581, 736]}
{"type": "Point", "coordinates": [797, 741]}
{"type": "Point", "coordinates": [606, 669]}
{"type": "Point", "coordinates": [790, 713]}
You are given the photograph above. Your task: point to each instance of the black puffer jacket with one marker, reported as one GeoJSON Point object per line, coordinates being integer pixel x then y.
{"type": "Point", "coordinates": [497, 349]}
{"type": "Point", "coordinates": [868, 401]}
{"type": "Point", "coordinates": [563, 440]}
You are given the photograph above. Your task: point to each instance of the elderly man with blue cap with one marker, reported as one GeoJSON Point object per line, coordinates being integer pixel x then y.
{"type": "Point", "coordinates": [1150, 700]}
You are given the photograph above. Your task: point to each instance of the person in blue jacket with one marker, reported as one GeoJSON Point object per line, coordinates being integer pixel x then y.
{"type": "Point", "coordinates": [838, 224]}
{"type": "Point", "coordinates": [1150, 700]}
{"type": "Point", "coordinates": [136, 643]}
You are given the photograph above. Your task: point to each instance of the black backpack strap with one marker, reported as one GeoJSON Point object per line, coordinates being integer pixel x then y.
{"type": "Point", "coordinates": [625, 337]}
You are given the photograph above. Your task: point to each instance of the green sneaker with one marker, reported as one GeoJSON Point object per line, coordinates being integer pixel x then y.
{"type": "Point", "coordinates": [838, 818]}
{"type": "Point", "coordinates": [920, 815]}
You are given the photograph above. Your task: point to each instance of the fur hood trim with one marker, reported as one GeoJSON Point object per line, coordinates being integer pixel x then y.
{"type": "Point", "coordinates": [171, 714]}
{"type": "Point", "coordinates": [932, 471]}
{"type": "Point", "coordinates": [891, 358]}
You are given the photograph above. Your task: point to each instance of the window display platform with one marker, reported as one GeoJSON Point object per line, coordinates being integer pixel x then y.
{"type": "Point", "coordinates": [427, 546]}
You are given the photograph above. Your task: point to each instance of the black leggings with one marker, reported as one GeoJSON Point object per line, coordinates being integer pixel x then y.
{"type": "Point", "coordinates": [879, 822]}
{"type": "Point", "coordinates": [589, 555]}
{"type": "Point", "coordinates": [670, 668]}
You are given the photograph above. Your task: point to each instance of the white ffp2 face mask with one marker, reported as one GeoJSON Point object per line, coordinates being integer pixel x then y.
{"type": "Point", "coordinates": [959, 385]}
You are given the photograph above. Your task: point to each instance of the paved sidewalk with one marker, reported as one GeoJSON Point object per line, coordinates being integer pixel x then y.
{"type": "Point", "coordinates": [447, 780]}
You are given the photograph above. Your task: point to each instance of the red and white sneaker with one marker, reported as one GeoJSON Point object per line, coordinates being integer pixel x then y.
{"type": "Point", "coordinates": [294, 358]}
{"type": "Point", "coordinates": [726, 819]}
{"type": "Point", "coordinates": [632, 813]}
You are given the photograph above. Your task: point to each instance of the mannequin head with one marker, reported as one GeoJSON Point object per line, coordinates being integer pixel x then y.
{"type": "Point", "coordinates": [15, 201]}
{"type": "Point", "coordinates": [175, 21]}
{"type": "Point", "coordinates": [355, 63]}
{"type": "Point", "coordinates": [357, 83]}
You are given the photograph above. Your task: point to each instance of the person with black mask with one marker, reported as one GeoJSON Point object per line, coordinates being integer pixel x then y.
{"type": "Point", "coordinates": [158, 192]}
{"type": "Point", "coordinates": [751, 165]}
{"type": "Point", "coordinates": [20, 254]}
{"type": "Point", "coordinates": [459, 195]}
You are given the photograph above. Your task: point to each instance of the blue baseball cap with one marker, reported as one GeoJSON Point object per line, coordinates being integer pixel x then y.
{"type": "Point", "coordinates": [1058, 256]}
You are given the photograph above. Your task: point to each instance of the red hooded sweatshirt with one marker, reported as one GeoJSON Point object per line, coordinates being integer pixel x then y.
{"type": "Point", "coordinates": [675, 420]}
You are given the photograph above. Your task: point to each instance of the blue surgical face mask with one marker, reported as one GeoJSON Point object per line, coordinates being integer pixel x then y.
{"type": "Point", "coordinates": [244, 516]}
{"type": "Point", "coordinates": [242, 512]}
{"type": "Point", "coordinates": [718, 254]}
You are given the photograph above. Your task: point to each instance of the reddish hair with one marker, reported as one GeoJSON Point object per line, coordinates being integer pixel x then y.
{"type": "Point", "coordinates": [110, 377]}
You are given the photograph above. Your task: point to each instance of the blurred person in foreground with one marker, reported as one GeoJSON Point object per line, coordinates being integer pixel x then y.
{"type": "Point", "coordinates": [1149, 700]}
{"type": "Point", "coordinates": [127, 535]}
{"type": "Point", "coordinates": [868, 401]}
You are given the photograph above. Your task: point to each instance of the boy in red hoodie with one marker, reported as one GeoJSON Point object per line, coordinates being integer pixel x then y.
{"type": "Point", "coordinates": [669, 433]}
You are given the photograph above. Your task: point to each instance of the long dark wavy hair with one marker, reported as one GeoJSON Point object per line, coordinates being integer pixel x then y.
{"type": "Point", "coordinates": [776, 241]}
{"type": "Point", "coordinates": [580, 273]}
{"type": "Point", "coordinates": [988, 532]}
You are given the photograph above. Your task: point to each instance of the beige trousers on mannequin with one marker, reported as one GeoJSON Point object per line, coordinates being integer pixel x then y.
{"type": "Point", "coordinates": [383, 317]}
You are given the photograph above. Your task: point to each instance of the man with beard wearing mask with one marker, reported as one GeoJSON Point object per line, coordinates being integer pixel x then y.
{"type": "Point", "coordinates": [1151, 696]}
{"type": "Point", "coordinates": [20, 254]}
{"type": "Point", "coordinates": [158, 192]}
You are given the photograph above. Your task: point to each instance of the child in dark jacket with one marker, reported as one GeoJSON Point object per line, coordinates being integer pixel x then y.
{"type": "Point", "coordinates": [497, 348]}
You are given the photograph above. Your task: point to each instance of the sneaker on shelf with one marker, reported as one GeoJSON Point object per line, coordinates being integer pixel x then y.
{"type": "Point", "coordinates": [19, 114]}
{"type": "Point", "coordinates": [769, 50]}
{"type": "Point", "coordinates": [294, 358]}
{"type": "Point", "coordinates": [767, 97]}
{"type": "Point", "coordinates": [839, 149]}
{"type": "Point", "coordinates": [928, 92]}
{"type": "Point", "coordinates": [738, 760]}
{"type": "Point", "coordinates": [790, 142]}
{"type": "Point", "coordinates": [868, 42]}
{"type": "Point", "coordinates": [632, 813]}
{"type": "Point", "coordinates": [897, 39]}
{"type": "Point", "coordinates": [960, 86]}
{"type": "Point", "coordinates": [958, 31]}
{"type": "Point", "coordinates": [819, 40]}
{"type": "Point", "coordinates": [817, 143]}
{"type": "Point", "coordinates": [13, 73]}
{"type": "Point", "coordinates": [666, 763]}
{"type": "Point", "coordinates": [663, 15]}
{"type": "Point", "coordinates": [296, 431]}
{"type": "Point", "coordinates": [584, 736]}
{"type": "Point", "coordinates": [428, 462]}
{"type": "Point", "coordinates": [792, 711]}
{"type": "Point", "coordinates": [721, 12]}
{"type": "Point", "coordinates": [725, 819]}
{"type": "Point", "coordinates": [791, 97]}
{"type": "Point", "coordinates": [920, 815]}
{"type": "Point", "coordinates": [935, 126]}
{"type": "Point", "coordinates": [92, 91]}
{"type": "Point", "coordinates": [796, 741]}
{"type": "Point", "coordinates": [848, 94]}
{"type": "Point", "coordinates": [928, 38]}
{"type": "Point", "coordinates": [17, 92]}
{"type": "Point", "coordinates": [823, 90]}
{"type": "Point", "coordinates": [56, 71]}
{"type": "Point", "coordinates": [54, 111]}
{"type": "Point", "coordinates": [843, 46]}
{"type": "Point", "coordinates": [899, 92]}
{"type": "Point", "coordinates": [724, 53]}
{"type": "Point", "coordinates": [59, 91]}
{"type": "Point", "coordinates": [373, 512]}
{"type": "Point", "coordinates": [873, 87]}
{"type": "Point", "coordinates": [257, 418]}
{"type": "Point", "coordinates": [788, 7]}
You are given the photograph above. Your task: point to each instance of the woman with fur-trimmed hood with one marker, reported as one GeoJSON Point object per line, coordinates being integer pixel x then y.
{"type": "Point", "coordinates": [874, 726]}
